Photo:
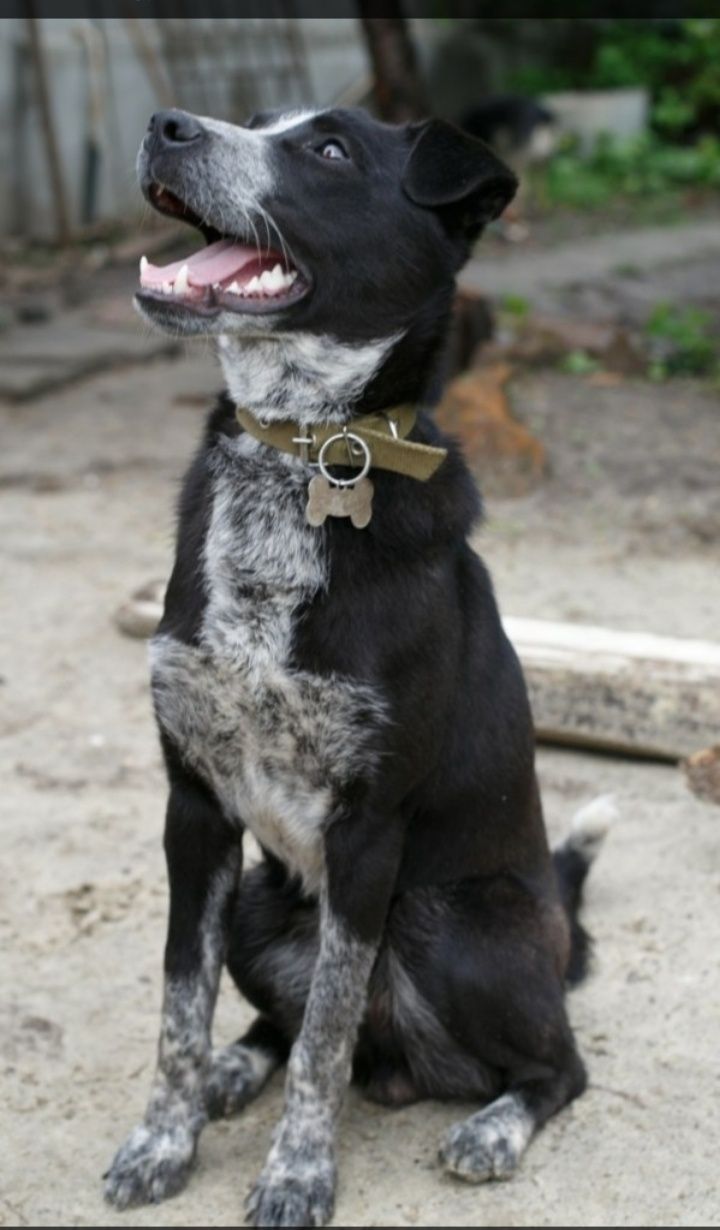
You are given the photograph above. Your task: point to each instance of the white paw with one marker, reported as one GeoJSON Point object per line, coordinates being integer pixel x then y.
{"type": "Point", "coordinates": [488, 1145]}
{"type": "Point", "coordinates": [297, 1189]}
{"type": "Point", "coordinates": [237, 1074]}
{"type": "Point", "coordinates": [151, 1166]}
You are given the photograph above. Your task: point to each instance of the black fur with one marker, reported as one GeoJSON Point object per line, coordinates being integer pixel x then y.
{"type": "Point", "coordinates": [506, 121]}
{"type": "Point", "coordinates": [436, 858]}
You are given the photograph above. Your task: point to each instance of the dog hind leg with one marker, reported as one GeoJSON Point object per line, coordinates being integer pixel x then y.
{"type": "Point", "coordinates": [273, 947]}
{"type": "Point", "coordinates": [239, 1072]}
{"type": "Point", "coordinates": [469, 1000]}
{"type": "Point", "coordinates": [534, 1049]}
{"type": "Point", "coordinates": [490, 1143]}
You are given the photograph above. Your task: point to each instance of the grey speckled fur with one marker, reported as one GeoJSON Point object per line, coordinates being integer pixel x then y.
{"type": "Point", "coordinates": [314, 379]}
{"type": "Point", "coordinates": [236, 1075]}
{"type": "Point", "coordinates": [155, 1160]}
{"type": "Point", "coordinates": [297, 1184]}
{"type": "Point", "coordinates": [489, 1144]}
{"type": "Point", "coordinates": [275, 744]}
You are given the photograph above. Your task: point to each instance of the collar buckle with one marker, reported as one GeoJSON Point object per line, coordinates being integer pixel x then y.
{"type": "Point", "coordinates": [304, 443]}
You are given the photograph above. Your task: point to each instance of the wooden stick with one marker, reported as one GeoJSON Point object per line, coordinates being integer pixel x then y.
{"type": "Point", "coordinates": [628, 692]}
{"type": "Point", "coordinates": [62, 216]}
{"type": "Point", "coordinates": [150, 61]}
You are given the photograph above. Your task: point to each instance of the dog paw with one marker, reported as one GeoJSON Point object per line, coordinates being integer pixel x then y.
{"type": "Point", "coordinates": [237, 1074]}
{"type": "Point", "coordinates": [296, 1192]}
{"type": "Point", "coordinates": [488, 1145]}
{"type": "Point", "coordinates": [150, 1166]}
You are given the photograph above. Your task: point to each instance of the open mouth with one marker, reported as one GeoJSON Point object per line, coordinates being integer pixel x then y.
{"type": "Point", "coordinates": [228, 275]}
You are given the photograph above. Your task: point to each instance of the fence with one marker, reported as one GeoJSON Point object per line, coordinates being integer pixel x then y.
{"type": "Point", "coordinates": [104, 78]}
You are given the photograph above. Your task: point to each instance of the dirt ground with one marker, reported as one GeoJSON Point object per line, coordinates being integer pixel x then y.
{"type": "Point", "coordinates": [624, 532]}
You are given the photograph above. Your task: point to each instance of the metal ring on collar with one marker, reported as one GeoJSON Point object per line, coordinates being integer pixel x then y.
{"type": "Point", "coordinates": [352, 438]}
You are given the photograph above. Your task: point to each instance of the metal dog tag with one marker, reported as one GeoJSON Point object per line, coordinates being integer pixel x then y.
{"type": "Point", "coordinates": [328, 500]}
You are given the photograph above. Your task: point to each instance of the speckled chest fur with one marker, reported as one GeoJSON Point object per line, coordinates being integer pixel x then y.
{"type": "Point", "coordinates": [275, 744]}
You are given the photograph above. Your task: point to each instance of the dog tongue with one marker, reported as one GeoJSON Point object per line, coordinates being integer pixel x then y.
{"type": "Point", "coordinates": [216, 263]}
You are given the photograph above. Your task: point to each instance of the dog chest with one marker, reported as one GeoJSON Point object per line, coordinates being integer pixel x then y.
{"type": "Point", "coordinates": [275, 744]}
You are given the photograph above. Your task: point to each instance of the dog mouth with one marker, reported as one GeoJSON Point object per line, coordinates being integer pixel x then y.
{"type": "Point", "coordinates": [228, 275]}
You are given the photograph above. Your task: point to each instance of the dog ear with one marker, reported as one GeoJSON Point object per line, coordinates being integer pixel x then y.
{"type": "Point", "coordinates": [451, 171]}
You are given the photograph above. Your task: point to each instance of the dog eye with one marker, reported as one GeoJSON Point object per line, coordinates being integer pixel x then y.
{"type": "Point", "coordinates": [332, 149]}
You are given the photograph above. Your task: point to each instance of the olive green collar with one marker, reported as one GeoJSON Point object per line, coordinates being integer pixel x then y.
{"type": "Point", "coordinates": [384, 434]}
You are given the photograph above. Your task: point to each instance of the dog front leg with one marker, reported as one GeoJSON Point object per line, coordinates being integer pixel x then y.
{"type": "Point", "coordinates": [204, 857]}
{"type": "Point", "coordinates": [297, 1184]}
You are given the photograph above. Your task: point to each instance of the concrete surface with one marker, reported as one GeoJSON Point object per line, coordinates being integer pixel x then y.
{"type": "Point", "coordinates": [36, 359]}
{"type": "Point", "coordinates": [89, 477]}
{"type": "Point", "coordinates": [589, 256]}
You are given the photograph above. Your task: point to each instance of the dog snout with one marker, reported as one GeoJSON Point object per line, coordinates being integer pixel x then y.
{"type": "Point", "coordinates": [173, 130]}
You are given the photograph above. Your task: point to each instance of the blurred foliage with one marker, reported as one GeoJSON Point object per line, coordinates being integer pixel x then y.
{"type": "Point", "coordinates": [681, 341]}
{"type": "Point", "coordinates": [516, 306]}
{"type": "Point", "coordinates": [677, 61]}
{"type": "Point", "coordinates": [579, 363]}
{"type": "Point", "coordinates": [632, 167]}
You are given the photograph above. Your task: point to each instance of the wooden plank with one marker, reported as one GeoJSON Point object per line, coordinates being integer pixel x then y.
{"type": "Point", "coordinates": [619, 691]}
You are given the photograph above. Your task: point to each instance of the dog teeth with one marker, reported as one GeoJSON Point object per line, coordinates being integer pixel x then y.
{"type": "Point", "coordinates": [269, 282]}
{"type": "Point", "coordinates": [274, 280]}
{"type": "Point", "coordinates": [182, 284]}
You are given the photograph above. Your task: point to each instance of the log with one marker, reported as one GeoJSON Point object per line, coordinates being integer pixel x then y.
{"type": "Point", "coordinates": [628, 692]}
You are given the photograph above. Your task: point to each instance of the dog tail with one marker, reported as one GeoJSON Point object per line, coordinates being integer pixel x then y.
{"type": "Point", "coordinates": [573, 859]}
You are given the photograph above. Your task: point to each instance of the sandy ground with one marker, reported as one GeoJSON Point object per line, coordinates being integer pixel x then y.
{"type": "Point", "coordinates": [622, 535]}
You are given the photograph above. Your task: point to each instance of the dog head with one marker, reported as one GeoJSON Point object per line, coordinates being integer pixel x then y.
{"type": "Point", "coordinates": [319, 225]}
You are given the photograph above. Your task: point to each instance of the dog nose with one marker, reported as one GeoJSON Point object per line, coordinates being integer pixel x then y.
{"type": "Point", "coordinates": [175, 128]}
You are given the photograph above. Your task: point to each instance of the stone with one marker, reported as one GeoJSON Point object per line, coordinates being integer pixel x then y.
{"type": "Point", "coordinates": [702, 772]}
{"type": "Point", "coordinates": [141, 614]}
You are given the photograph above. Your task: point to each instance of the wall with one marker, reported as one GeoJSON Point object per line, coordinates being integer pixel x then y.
{"type": "Point", "coordinates": [220, 61]}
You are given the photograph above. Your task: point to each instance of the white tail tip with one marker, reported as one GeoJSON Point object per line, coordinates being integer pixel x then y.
{"type": "Point", "coordinates": [590, 825]}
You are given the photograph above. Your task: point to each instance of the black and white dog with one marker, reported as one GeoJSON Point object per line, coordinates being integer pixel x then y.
{"type": "Point", "coordinates": [345, 694]}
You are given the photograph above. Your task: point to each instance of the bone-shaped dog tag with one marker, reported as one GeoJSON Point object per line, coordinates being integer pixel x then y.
{"type": "Point", "coordinates": [326, 500]}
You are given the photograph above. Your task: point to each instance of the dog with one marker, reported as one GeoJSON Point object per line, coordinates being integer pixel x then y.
{"type": "Point", "coordinates": [342, 689]}
{"type": "Point", "coordinates": [521, 131]}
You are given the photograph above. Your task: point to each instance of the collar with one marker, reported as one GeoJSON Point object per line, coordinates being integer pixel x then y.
{"type": "Point", "coordinates": [385, 435]}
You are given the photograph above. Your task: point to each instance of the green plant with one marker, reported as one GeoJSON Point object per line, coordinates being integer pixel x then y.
{"type": "Point", "coordinates": [515, 305]}
{"type": "Point", "coordinates": [578, 363]}
{"type": "Point", "coordinates": [677, 61]}
{"type": "Point", "coordinates": [638, 167]}
{"type": "Point", "coordinates": [681, 342]}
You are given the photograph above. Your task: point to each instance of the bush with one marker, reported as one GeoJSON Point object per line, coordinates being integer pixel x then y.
{"type": "Point", "coordinates": [637, 167]}
{"type": "Point", "coordinates": [677, 61]}
{"type": "Point", "coordinates": [681, 342]}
